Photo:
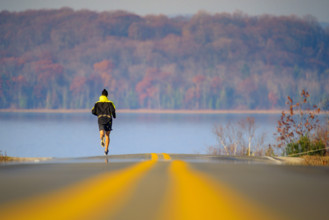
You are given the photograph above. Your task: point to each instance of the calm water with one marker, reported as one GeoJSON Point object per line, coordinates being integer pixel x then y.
{"type": "Point", "coordinates": [76, 135]}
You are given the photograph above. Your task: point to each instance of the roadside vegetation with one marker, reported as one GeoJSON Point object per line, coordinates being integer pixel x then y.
{"type": "Point", "coordinates": [316, 160]}
{"type": "Point", "coordinates": [4, 157]}
{"type": "Point", "coordinates": [300, 133]}
{"type": "Point", "coordinates": [239, 138]}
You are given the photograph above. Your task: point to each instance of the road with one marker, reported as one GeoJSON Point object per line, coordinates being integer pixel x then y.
{"type": "Point", "coordinates": [163, 186]}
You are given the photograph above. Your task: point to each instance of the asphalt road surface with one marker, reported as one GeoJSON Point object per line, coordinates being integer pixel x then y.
{"type": "Point", "coordinates": [163, 186]}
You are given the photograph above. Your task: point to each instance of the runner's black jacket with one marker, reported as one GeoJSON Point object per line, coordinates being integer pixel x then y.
{"type": "Point", "coordinates": [104, 109]}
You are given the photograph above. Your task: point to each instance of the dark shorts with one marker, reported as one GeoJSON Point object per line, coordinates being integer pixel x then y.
{"type": "Point", "coordinates": [105, 127]}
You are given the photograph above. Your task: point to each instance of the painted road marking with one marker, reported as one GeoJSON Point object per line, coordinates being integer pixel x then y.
{"type": "Point", "coordinates": [166, 156]}
{"type": "Point", "coordinates": [190, 195]}
{"type": "Point", "coordinates": [193, 195]}
{"type": "Point", "coordinates": [154, 157]}
{"type": "Point", "coordinates": [91, 199]}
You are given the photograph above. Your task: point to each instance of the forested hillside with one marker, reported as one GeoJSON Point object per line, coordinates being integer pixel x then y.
{"type": "Point", "coordinates": [64, 58]}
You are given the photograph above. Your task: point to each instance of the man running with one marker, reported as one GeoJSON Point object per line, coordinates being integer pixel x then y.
{"type": "Point", "coordinates": [104, 109]}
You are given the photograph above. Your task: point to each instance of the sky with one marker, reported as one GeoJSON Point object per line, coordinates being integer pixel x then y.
{"type": "Point", "coordinates": [317, 8]}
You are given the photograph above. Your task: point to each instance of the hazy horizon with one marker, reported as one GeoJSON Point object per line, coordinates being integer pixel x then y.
{"type": "Point", "coordinates": [315, 8]}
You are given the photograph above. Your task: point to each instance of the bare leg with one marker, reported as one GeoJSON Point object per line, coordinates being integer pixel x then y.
{"type": "Point", "coordinates": [101, 135]}
{"type": "Point", "coordinates": [107, 140]}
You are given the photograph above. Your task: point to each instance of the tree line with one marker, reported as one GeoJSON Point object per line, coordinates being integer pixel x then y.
{"type": "Point", "coordinates": [64, 58]}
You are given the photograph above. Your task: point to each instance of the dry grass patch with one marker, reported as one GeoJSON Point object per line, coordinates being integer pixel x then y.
{"type": "Point", "coordinates": [316, 160]}
{"type": "Point", "coordinates": [4, 157]}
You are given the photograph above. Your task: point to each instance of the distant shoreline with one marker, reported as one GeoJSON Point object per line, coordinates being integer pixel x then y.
{"type": "Point", "coordinates": [152, 111]}
{"type": "Point", "coordinates": [146, 111]}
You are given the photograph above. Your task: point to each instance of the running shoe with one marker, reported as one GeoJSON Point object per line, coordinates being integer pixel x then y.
{"type": "Point", "coordinates": [106, 152]}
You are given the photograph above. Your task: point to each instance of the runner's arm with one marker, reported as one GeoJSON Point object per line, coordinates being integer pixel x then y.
{"type": "Point", "coordinates": [94, 111]}
{"type": "Point", "coordinates": [113, 110]}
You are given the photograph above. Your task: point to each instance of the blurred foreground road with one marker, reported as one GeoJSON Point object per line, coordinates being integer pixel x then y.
{"type": "Point", "coordinates": [162, 186]}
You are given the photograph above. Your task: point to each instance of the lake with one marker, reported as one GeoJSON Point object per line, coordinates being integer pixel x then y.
{"type": "Point", "coordinates": [77, 135]}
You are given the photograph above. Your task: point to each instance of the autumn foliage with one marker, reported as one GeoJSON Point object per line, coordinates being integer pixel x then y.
{"type": "Point", "coordinates": [297, 129]}
{"type": "Point", "coordinates": [64, 58]}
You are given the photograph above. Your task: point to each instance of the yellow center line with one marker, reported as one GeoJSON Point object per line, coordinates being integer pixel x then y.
{"type": "Point", "coordinates": [166, 156]}
{"type": "Point", "coordinates": [93, 198]}
{"type": "Point", "coordinates": [193, 195]}
{"type": "Point", "coordinates": [154, 156]}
